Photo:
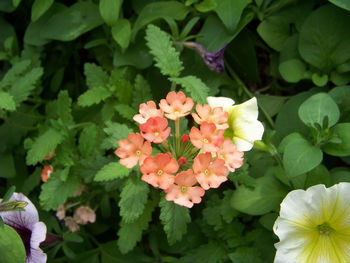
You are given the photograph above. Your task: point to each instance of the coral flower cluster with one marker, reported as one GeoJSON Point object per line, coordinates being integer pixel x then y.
{"type": "Point", "coordinates": [188, 163]}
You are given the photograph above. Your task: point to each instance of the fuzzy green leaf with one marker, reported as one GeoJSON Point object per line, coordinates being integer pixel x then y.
{"type": "Point", "coordinates": [133, 199]}
{"type": "Point", "coordinates": [116, 132]}
{"type": "Point", "coordinates": [165, 55]}
{"type": "Point", "coordinates": [126, 111]}
{"type": "Point", "coordinates": [87, 140]}
{"type": "Point", "coordinates": [130, 233]}
{"type": "Point", "coordinates": [7, 102]}
{"type": "Point", "coordinates": [43, 145]}
{"type": "Point", "coordinates": [13, 73]}
{"type": "Point", "coordinates": [93, 96]}
{"type": "Point", "coordinates": [198, 90]}
{"type": "Point", "coordinates": [64, 104]}
{"type": "Point", "coordinates": [55, 191]}
{"type": "Point", "coordinates": [112, 171]}
{"type": "Point", "coordinates": [142, 92]}
{"type": "Point", "coordinates": [174, 219]}
{"type": "Point", "coordinates": [212, 252]}
{"type": "Point", "coordinates": [95, 75]}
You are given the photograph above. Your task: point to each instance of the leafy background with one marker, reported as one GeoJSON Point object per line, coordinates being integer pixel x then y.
{"type": "Point", "coordinates": [74, 72]}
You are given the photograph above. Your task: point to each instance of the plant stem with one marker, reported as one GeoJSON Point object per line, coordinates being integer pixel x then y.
{"type": "Point", "coordinates": [177, 136]}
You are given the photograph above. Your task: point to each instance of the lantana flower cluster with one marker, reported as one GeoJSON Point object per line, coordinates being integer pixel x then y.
{"type": "Point", "coordinates": [190, 162]}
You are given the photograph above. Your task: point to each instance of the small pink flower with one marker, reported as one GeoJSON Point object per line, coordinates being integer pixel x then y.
{"type": "Point", "coordinates": [183, 192]}
{"type": "Point", "coordinates": [133, 150]}
{"type": "Point", "coordinates": [46, 173]}
{"type": "Point", "coordinates": [84, 215]}
{"type": "Point", "coordinates": [206, 138]}
{"type": "Point", "coordinates": [184, 138]}
{"type": "Point", "coordinates": [71, 224]}
{"type": "Point", "coordinates": [155, 129]}
{"type": "Point", "coordinates": [61, 212]}
{"type": "Point", "coordinates": [229, 153]}
{"type": "Point", "coordinates": [175, 105]}
{"type": "Point", "coordinates": [209, 174]}
{"type": "Point", "coordinates": [147, 110]}
{"type": "Point", "coordinates": [159, 171]}
{"type": "Point", "coordinates": [206, 114]}
{"type": "Point", "coordinates": [182, 160]}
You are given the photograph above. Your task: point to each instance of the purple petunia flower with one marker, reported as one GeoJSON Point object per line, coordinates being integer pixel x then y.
{"type": "Point", "coordinates": [27, 225]}
{"type": "Point", "coordinates": [214, 60]}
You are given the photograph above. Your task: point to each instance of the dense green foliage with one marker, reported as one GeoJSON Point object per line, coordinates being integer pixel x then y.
{"type": "Point", "coordinates": [73, 74]}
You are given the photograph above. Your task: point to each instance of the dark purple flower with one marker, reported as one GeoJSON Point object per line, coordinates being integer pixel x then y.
{"type": "Point", "coordinates": [214, 60]}
{"type": "Point", "coordinates": [27, 225]}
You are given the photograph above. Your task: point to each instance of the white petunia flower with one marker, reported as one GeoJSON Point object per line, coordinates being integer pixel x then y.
{"type": "Point", "coordinates": [314, 226]}
{"type": "Point", "coordinates": [243, 121]}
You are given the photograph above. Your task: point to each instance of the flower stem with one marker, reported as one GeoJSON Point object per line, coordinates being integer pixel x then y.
{"type": "Point", "coordinates": [177, 136]}
{"type": "Point", "coordinates": [249, 94]}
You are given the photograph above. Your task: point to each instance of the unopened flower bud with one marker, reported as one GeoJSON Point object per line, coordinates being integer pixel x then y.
{"type": "Point", "coordinates": [182, 160]}
{"type": "Point", "coordinates": [84, 214]}
{"type": "Point", "coordinates": [184, 138]}
{"type": "Point", "coordinates": [61, 212]}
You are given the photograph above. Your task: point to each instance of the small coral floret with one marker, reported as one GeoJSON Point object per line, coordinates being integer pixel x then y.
{"type": "Point", "coordinates": [46, 173]}
{"type": "Point", "coordinates": [183, 192]}
{"type": "Point", "coordinates": [147, 110]}
{"type": "Point", "coordinates": [184, 138]}
{"type": "Point", "coordinates": [206, 138]}
{"type": "Point", "coordinates": [182, 160]}
{"type": "Point", "coordinates": [229, 153]}
{"type": "Point", "coordinates": [159, 171]}
{"type": "Point", "coordinates": [206, 114]}
{"type": "Point", "coordinates": [133, 150]}
{"type": "Point", "coordinates": [176, 105]}
{"type": "Point", "coordinates": [209, 174]}
{"type": "Point", "coordinates": [155, 129]}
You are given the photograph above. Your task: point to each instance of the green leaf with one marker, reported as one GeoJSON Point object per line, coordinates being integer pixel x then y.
{"type": "Point", "coordinates": [126, 111]}
{"type": "Point", "coordinates": [292, 70]}
{"type": "Point", "coordinates": [193, 85]}
{"type": "Point", "coordinates": [7, 164]}
{"type": "Point", "coordinates": [174, 219]}
{"type": "Point", "coordinates": [165, 55]}
{"type": "Point", "coordinates": [272, 104]}
{"type": "Point", "coordinates": [72, 22]}
{"type": "Point", "coordinates": [263, 198]}
{"type": "Point", "coordinates": [131, 233]}
{"type": "Point", "coordinates": [93, 96]}
{"type": "Point", "coordinates": [109, 10]}
{"type": "Point", "coordinates": [342, 132]}
{"type": "Point", "coordinates": [319, 80]}
{"type": "Point", "coordinates": [11, 246]}
{"type": "Point", "coordinates": [340, 95]}
{"type": "Point", "coordinates": [7, 102]}
{"type": "Point", "coordinates": [230, 12]}
{"type": "Point", "coordinates": [142, 92]}
{"type": "Point", "coordinates": [318, 175]}
{"type": "Point", "coordinates": [43, 145]}
{"type": "Point", "coordinates": [39, 7]}
{"type": "Point", "coordinates": [112, 171]}
{"type": "Point", "coordinates": [116, 132]}
{"type": "Point", "coordinates": [153, 11]}
{"type": "Point", "coordinates": [212, 252]}
{"type": "Point", "coordinates": [340, 175]}
{"type": "Point", "coordinates": [300, 156]}
{"type": "Point", "coordinates": [324, 38]}
{"type": "Point", "coordinates": [121, 32]}
{"type": "Point", "coordinates": [246, 255]}
{"type": "Point", "coordinates": [87, 140]}
{"type": "Point", "coordinates": [55, 192]}
{"type": "Point", "coordinates": [205, 6]}
{"type": "Point", "coordinates": [318, 107]}
{"type": "Point", "coordinates": [345, 4]}
{"type": "Point", "coordinates": [274, 30]}
{"type": "Point", "coordinates": [133, 199]}
{"type": "Point", "coordinates": [95, 76]}
{"type": "Point", "coordinates": [64, 104]}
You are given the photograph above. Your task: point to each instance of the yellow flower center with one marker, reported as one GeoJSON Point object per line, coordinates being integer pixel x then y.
{"type": "Point", "coordinates": [156, 134]}
{"type": "Point", "coordinates": [205, 140]}
{"type": "Point", "coordinates": [207, 172]}
{"type": "Point", "coordinates": [138, 152]}
{"type": "Point", "coordinates": [325, 229]}
{"type": "Point", "coordinates": [183, 189]}
{"type": "Point", "coordinates": [160, 172]}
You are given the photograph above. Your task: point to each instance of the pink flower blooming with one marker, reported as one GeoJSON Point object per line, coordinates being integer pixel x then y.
{"type": "Point", "coordinates": [183, 192]}
{"type": "Point", "coordinates": [27, 225]}
{"type": "Point", "coordinates": [46, 173]}
{"type": "Point", "coordinates": [159, 171]}
{"type": "Point", "coordinates": [206, 114]}
{"type": "Point", "coordinates": [84, 215]}
{"type": "Point", "coordinates": [71, 224]}
{"type": "Point", "coordinates": [206, 138]}
{"type": "Point", "coordinates": [155, 129]}
{"type": "Point", "coordinates": [209, 174]}
{"type": "Point", "coordinates": [229, 153]}
{"type": "Point", "coordinates": [147, 110]}
{"type": "Point", "coordinates": [133, 150]}
{"type": "Point", "coordinates": [175, 105]}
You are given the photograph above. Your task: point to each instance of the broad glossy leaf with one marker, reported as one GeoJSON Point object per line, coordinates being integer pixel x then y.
{"type": "Point", "coordinates": [11, 246]}
{"type": "Point", "coordinates": [341, 131]}
{"type": "Point", "coordinates": [318, 107]}
{"type": "Point", "coordinates": [345, 4]}
{"type": "Point", "coordinates": [109, 10]}
{"type": "Point", "coordinates": [121, 32]}
{"type": "Point", "coordinates": [39, 7]}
